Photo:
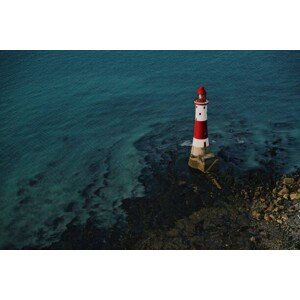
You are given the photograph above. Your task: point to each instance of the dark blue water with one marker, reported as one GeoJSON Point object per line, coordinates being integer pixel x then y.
{"type": "Point", "coordinates": [71, 119]}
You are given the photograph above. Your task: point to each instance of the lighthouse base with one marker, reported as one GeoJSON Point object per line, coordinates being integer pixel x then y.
{"type": "Point", "coordinates": [204, 163]}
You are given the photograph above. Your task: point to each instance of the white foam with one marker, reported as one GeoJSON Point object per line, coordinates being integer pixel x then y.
{"type": "Point", "coordinates": [187, 143]}
{"type": "Point", "coordinates": [240, 141]}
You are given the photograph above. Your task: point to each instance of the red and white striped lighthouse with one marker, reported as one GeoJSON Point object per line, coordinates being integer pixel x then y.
{"type": "Point", "coordinates": [200, 140]}
{"type": "Point", "coordinates": [201, 158]}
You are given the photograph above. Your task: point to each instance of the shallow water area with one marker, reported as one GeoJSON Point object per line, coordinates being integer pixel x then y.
{"type": "Point", "coordinates": [78, 127]}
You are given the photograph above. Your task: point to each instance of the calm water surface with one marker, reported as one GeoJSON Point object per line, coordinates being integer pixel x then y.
{"type": "Point", "coordinates": [70, 120]}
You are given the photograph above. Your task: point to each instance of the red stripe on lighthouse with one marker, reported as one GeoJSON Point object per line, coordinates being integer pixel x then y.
{"type": "Point", "coordinates": [200, 130]}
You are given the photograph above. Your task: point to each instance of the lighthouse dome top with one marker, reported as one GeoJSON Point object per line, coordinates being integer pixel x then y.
{"type": "Point", "coordinates": [201, 91]}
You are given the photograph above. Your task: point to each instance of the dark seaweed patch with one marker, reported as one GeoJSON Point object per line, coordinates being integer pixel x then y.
{"type": "Point", "coordinates": [277, 141]}
{"type": "Point", "coordinates": [70, 207]}
{"type": "Point", "coordinates": [86, 191]}
{"type": "Point", "coordinates": [94, 167]}
{"type": "Point", "coordinates": [224, 154]}
{"type": "Point", "coordinates": [272, 151]}
{"type": "Point", "coordinates": [40, 234]}
{"type": "Point", "coordinates": [92, 213]}
{"type": "Point", "coordinates": [39, 176]}
{"type": "Point", "coordinates": [56, 222]}
{"type": "Point", "coordinates": [32, 182]}
{"type": "Point", "coordinates": [87, 202]}
{"type": "Point", "coordinates": [21, 191]}
{"type": "Point", "coordinates": [53, 163]}
{"type": "Point", "coordinates": [97, 192]}
{"type": "Point", "coordinates": [25, 200]}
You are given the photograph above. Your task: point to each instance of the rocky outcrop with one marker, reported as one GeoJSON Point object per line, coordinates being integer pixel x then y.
{"type": "Point", "coordinates": [260, 215]}
{"type": "Point", "coordinates": [279, 204]}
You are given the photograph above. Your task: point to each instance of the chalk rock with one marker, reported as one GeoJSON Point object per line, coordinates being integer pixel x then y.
{"type": "Point", "coordinates": [272, 217]}
{"type": "Point", "coordinates": [295, 196]}
{"type": "Point", "coordinates": [256, 215]}
{"type": "Point", "coordinates": [283, 192]}
{"type": "Point", "coordinates": [286, 196]}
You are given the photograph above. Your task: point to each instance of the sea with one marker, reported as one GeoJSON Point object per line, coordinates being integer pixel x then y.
{"type": "Point", "coordinates": [75, 120]}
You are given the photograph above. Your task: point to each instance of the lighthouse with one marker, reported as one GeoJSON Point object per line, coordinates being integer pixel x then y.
{"type": "Point", "coordinates": [201, 157]}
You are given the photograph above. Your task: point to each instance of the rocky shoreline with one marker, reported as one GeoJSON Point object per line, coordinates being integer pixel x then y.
{"type": "Point", "coordinates": [258, 209]}
{"type": "Point", "coordinates": [255, 217]}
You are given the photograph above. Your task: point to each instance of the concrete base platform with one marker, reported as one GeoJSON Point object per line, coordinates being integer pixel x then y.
{"type": "Point", "coordinates": [204, 163]}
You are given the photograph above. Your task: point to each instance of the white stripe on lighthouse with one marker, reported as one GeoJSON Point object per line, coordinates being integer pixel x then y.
{"type": "Point", "coordinates": [200, 143]}
{"type": "Point", "coordinates": [201, 113]}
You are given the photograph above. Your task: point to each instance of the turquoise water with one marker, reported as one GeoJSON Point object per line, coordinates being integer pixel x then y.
{"type": "Point", "coordinates": [70, 121]}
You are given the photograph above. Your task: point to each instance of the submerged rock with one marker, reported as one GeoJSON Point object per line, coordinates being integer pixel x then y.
{"type": "Point", "coordinates": [288, 181]}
